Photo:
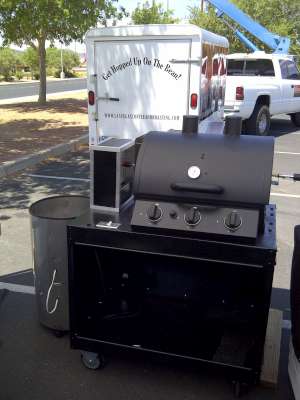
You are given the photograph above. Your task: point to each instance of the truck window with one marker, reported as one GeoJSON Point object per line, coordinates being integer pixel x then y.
{"type": "Point", "coordinates": [235, 67]}
{"type": "Point", "coordinates": [289, 70]}
{"type": "Point", "coordinates": [259, 68]}
{"type": "Point", "coordinates": [251, 67]}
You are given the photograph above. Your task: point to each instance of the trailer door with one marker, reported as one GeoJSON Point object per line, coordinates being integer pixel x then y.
{"type": "Point", "coordinates": [139, 88]}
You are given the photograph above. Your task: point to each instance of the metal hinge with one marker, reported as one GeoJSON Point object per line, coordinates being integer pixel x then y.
{"type": "Point", "coordinates": [108, 98]}
{"type": "Point", "coordinates": [188, 61]}
{"type": "Point", "coordinates": [93, 79]}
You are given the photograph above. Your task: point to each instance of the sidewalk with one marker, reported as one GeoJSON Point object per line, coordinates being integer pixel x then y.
{"type": "Point", "coordinates": [30, 133]}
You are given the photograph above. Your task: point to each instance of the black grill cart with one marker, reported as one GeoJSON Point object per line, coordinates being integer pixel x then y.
{"type": "Point", "coordinates": [173, 295]}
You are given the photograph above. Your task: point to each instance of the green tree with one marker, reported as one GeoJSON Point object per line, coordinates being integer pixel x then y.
{"type": "Point", "coordinates": [31, 59]}
{"type": "Point", "coordinates": [33, 22]}
{"type": "Point", "coordinates": [53, 60]}
{"type": "Point", "coordinates": [152, 14]}
{"type": "Point", "coordinates": [8, 63]}
{"type": "Point", "coordinates": [278, 16]}
{"type": "Point", "coordinates": [70, 60]}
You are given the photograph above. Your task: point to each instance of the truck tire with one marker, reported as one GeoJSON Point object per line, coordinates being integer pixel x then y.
{"type": "Point", "coordinates": [259, 122]}
{"type": "Point", "coordinates": [295, 118]}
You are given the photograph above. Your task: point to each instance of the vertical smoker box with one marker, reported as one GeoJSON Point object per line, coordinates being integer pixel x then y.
{"type": "Point", "coordinates": [112, 172]}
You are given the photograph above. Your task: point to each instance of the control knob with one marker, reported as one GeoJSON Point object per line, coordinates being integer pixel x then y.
{"type": "Point", "coordinates": [233, 221]}
{"type": "Point", "coordinates": [193, 216]}
{"type": "Point", "coordinates": [154, 212]}
{"type": "Point", "coordinates": [173, 214]}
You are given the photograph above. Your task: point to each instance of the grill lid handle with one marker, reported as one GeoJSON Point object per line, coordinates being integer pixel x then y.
{"type": "Point", "coordinates": [203, 188]}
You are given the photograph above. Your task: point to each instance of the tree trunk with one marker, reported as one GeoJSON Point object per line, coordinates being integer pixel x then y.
{"type": "Point", "coordinates": [43, 76]}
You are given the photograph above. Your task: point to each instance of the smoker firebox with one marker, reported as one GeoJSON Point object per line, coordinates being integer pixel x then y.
{"type": "Point", "coordinates": [172, 295]}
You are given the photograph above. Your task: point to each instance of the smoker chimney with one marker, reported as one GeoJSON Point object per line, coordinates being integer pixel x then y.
{"type": "Point", "coordinates": [233, 126]}
{"type": "Point", "coordinates": [190, 125]}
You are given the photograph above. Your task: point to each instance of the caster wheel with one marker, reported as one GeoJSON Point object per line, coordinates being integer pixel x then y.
{"type": "Point", "coordinates": [93, 360]}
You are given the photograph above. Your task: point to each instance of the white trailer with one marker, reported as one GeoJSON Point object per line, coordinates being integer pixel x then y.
{"type": "Point", "coordinates": [143, 78]}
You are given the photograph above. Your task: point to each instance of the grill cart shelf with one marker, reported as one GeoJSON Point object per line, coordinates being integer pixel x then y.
{"type": "Point", "coordinates": [172, 295]}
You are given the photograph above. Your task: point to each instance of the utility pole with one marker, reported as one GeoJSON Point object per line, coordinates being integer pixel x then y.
{"type": "Point", "coordinates": [202, 5]}
{"type": "Point", "coordinates": [62, 74]}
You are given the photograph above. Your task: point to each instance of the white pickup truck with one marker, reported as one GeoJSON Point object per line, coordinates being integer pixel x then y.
{"type": "Point", "coordinates": [261, 85]}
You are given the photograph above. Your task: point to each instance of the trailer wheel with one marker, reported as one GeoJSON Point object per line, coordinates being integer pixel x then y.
{"type": "Point", "coordinates": [295, 118]}
{"type": "Point", "coordinates": [260, 121]}
{"type": "Point", "coordinates": [93, 360]}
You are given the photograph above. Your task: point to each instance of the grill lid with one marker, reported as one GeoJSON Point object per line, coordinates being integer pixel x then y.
{"type": "Point", "coordinates": [207, 168]}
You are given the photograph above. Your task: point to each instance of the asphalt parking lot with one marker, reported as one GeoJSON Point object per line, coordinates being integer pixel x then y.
{"type": "Point", "coordinates": [37, 365]}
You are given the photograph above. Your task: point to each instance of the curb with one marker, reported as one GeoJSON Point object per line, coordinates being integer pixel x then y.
{"type": "Point", "coordinates": [11, 167]}
{"type": "Point", "coordinates": [38, 82]}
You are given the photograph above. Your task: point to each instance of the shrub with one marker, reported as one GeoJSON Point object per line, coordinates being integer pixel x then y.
{"type": "Point", "coordinates": [19, 75]}
{"type": "Point", "coordinates": [70, 60]}
{"type": "Point", "coordinates": [8, 61]}
{"type": "Point", "coordinates": [30, 59]}
{"type": "Point", "coordinates": [68, 74]}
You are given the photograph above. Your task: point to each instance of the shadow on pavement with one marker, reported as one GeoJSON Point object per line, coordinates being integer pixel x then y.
{"type": "Point", "coordinates": [24, 277]}
{"type": "Point", "coordinates": [281, 301]}
{"type": "Point", "coordinates": [19, 191]}
{"type": "Point", "coordinates": [281, 127]}
{"type": "Point", "coordinates": [36, 365]}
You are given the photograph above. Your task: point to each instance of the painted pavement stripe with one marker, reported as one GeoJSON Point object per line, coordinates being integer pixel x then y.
{"type": "Point", "coordinates": [291, 196]}
{"type": "Point", "coordinates": [58, 177]}
{"type": "Point", "coordinates": [12, 287]}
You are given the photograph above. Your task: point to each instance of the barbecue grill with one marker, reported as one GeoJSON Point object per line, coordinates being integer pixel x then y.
{"type": "Point", "coordinates": [186, 269]}
{"type": "Point", "coordinates": [208, 185]}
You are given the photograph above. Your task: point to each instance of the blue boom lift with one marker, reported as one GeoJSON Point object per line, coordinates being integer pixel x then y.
{"type": "Point", "coordinates": [275, 42]}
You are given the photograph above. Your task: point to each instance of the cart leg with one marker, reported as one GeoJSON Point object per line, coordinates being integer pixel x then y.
{"type": "Point", "coordinates": [240, 388]}
{"type": "Point", "coordinates": [93, 360]}
{"type": "Point", "coordinates": [59, 334]}
{"type": "Point", "coordinates": [237, 389]}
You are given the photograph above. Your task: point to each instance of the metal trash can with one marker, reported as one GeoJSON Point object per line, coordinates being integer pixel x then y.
{"type": "Point", "coordinates": [49, 219]}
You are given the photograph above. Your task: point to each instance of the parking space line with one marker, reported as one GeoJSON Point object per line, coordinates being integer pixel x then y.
{"type": "Point", "coordinates": [292, 196]}
{"type": "Point", "coordinates": [287, 152]}
{"type": "Point", "coordinates": [58, 177]}
{"type": "Point", "coordinates": [286, 324]}
{"type": "Point", "coordinates": [12, 287]}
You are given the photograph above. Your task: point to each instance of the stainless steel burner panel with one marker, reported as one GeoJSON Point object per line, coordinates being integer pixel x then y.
{"type": "Point", "coordinates": [196, 219]}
